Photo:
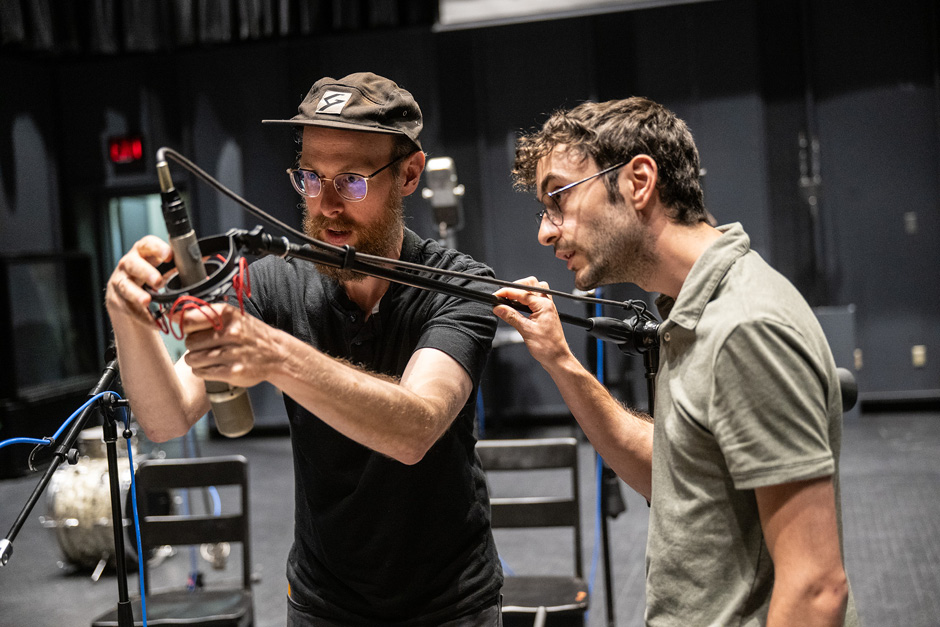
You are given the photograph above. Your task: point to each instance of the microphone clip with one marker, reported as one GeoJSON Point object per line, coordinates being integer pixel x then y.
{"type": "Point", "coordinates": [221, 260]}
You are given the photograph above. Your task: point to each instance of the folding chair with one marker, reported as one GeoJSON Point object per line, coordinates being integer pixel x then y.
{"type": "Point", "coordinates": [539, 599]}
{"type": "Point", "coordinates": [215, 606]}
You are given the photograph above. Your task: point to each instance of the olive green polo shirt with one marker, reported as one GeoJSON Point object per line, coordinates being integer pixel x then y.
{"type": "Point", "coordinates": [747, 396]}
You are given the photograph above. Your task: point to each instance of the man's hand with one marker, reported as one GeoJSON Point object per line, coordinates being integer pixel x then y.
{"type": "Point", "coordinates": [541, 330]}
{"type": "Point", "coordinates": [166, 400]}
{"type": "Point", "coordinates": [622, 437]}
{"type": "Point", "coordinates": [242, 351]}
{"type": "Point", "coordinates": [124, 296]}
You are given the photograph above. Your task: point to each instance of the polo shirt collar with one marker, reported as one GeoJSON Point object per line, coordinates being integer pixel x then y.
{"type": "Point", "coordinates": [706, 273]}
{"type": "Point", "coordinates": [411, 253]}
{"type": "Point", "coordinates": [410, 244]}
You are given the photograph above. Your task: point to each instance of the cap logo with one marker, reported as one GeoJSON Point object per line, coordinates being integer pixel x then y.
{"type": "Point", "coordinates": [333, 102]}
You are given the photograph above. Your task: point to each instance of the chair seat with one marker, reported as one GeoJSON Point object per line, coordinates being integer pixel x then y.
{"type": "Point", "coordinates": [558, 595]}
{"type": "Point", "coordinates": [184, 607]}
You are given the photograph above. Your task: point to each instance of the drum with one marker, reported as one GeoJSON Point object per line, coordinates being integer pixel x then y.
{"type": "Point", "coordinates": [90, 443]}
{"type": "Point", "coordinates": [79, 503]}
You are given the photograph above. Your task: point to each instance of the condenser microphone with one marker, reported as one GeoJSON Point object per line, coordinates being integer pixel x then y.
{"type": "Point", "coordinates": [231, 406]}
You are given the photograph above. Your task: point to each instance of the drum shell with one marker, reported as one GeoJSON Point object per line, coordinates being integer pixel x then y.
{"type": "Point", "coordinates": [79, 502]}
{"type": "Point", "coordinates": [79, 509]}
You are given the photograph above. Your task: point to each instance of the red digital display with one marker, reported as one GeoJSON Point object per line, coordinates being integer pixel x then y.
{"type": "Point", "coordinates": [125, 149]}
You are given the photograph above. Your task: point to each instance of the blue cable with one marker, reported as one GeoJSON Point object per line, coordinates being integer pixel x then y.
{"type": "Point", "coordinates": [55, 437]}
{"type": "Point", "coordinates": [599, 465]}
{"type": "Point", "coordinates": [130, 459]}
{"type": "Point", "coordinates": [481, 413]}
{"type": "Point", "coordinates": [193, 562]}
{"type": "Point", "coordinates": [24, 441]}
{"type": "Point", "coordinates": [78, 411]}
{"type": "Point", "coordinates": [189, 450]}
{"type": "Point", "coordinates": [598, 514]}
{"type": "Point", "coordinates": [506, 568]}
{"type": "Point", "coordinates": [216, 501]}
{"type": "Point", "coordinates": [140, 552]}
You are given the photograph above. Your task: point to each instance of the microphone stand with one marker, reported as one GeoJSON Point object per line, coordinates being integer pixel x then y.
{"type": "Point", "coordinates": [611, 498]}
{"type": "Point", "coordinates": [66, 452]}
{"type": "Point", "coordinates": [109, 427]}
{"type": "Point", "coordinates": [634, 337]}
{"type": "Point", "coordinates": [611, 501]}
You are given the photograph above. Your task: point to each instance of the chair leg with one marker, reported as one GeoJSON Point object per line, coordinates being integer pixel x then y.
{"type": "Point", "coordinates": [540, 615]}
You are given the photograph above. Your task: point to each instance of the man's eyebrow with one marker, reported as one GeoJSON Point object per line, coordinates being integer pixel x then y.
{"type": "Point", "coordinates": [351, 166]}
{"type": "Point", "coordinates": [548, 178]}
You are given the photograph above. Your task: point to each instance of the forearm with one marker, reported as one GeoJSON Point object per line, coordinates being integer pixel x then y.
{"type": "Point", "coordinates": [800, 528]}
{"type": "Point", "coordinates": [164, 407]}
{"type": "Point", "coordinates": [165, 400]}
{"type": "Point", "coordinates": [400, 419]}
{"type": "Point", "coordinates": [623, 438]}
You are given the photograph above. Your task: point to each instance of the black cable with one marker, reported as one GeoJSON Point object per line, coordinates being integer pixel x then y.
{"type": "Point", "coordinates": [629, 304]}
{"type": "Point", "coordinates": [637, 306]}
{"type": "Point", "coordinates": [252, 209]}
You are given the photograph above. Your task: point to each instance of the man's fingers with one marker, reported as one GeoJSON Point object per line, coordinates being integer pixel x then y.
{"type": "Point", "coordinates": [509, 315]}
{"type": "Point", "coordinates": [534, 301]}
{"type": "Point", "coordinates": [518, 294]}
{"type": "Point", "coordinates": [153, 249]}
{"type": "Point", "coordinates": [206, 317]}
{"type": "Point", "coordinates": [128, 289]}
{"type": "Point", "coordinates": [141, 271]}
{"type": "Point", "coordinates": [513, 294]}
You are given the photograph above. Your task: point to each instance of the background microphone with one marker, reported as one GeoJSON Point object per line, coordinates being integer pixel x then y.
{"type": "Point", "coordinates": [231, 406]}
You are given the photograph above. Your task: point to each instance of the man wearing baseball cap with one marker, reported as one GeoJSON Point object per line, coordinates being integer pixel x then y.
{"type": "Point", "coordinates": [391, 508]}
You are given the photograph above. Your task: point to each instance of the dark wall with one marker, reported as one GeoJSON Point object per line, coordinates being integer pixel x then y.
{"type": "Point", "coordinates": [29, 160]}
{"type": "Point", "coordinates": [748, 77]}
{"type": "Point", "coordinates": [878, 117]}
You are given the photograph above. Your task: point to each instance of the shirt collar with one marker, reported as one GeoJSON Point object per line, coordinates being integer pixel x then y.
{"type": "Point", "coordinates": [706, 273]}
{"type": "Point", "coordinates": [410, 249]}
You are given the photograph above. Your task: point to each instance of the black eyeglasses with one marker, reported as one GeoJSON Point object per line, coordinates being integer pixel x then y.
{"type": "Point", "coordinates": [552, 210]}
{"type": "Point", "coordinates": [349, 185]}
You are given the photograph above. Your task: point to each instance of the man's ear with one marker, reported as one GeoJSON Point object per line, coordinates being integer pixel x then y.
{"type": "Point", "coordinates": [411, 169]}
{"type": "Point", "coordinates": [642, 175]}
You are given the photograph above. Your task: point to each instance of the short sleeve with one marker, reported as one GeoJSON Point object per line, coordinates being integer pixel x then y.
{"type": "Point", "coordinates": [461, 328]}
{"type": "Point", "coordinates": [769, 407]}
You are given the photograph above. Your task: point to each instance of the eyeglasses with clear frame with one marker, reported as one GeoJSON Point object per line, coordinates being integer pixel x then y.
{"type": "Point", "coordinates": [349, 185]}
{"type": "Point", "coordinates": [551, 208]}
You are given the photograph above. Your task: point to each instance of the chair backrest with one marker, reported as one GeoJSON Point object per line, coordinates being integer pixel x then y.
{"type": "Point", "coordinates": [157, 528]}
{"type": "Point", "coordinates": [527, 455]}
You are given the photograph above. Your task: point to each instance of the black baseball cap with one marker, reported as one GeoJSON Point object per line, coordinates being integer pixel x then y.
{"type": "Point", "coordinates": [360, 102]}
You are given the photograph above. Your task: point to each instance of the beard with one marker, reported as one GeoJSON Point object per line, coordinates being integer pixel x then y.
{"type": "Point", "coordinates": [380, 238]}
{"type": "Point", "coordinates": [620, 250]}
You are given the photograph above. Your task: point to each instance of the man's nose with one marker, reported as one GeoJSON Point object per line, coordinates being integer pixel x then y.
{"type": "Point", "coordinates": [548, 232]}
{"type": "Point", "coordinates": [331, 204]}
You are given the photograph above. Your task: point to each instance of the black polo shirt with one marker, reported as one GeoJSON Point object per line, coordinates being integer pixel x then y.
{"type": "Point", "coordinates": [375, 540]}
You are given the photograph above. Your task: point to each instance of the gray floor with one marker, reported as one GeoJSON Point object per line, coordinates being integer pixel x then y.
{"type": "Point", "coordinates": [891, 501]}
